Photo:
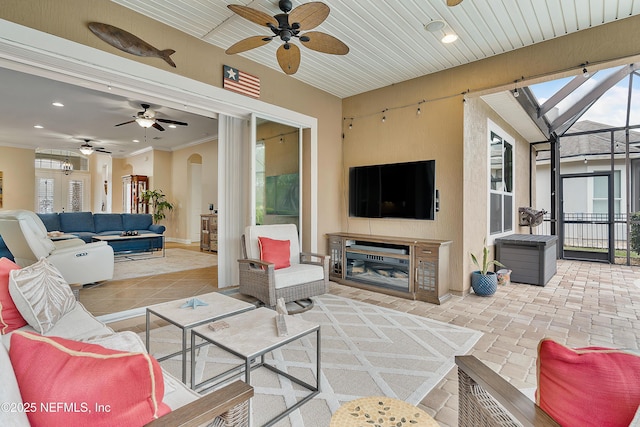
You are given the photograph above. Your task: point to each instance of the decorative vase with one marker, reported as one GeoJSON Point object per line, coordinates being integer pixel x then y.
{"type": "Point", "coordinates": [484, 285]}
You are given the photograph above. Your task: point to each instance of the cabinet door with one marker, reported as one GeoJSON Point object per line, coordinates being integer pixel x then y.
{"type": "Point", "coordinates": [426, 273]}
{"type": "Point", "coordinates": [213, 233]}
{"type": "Point", "coordinates": [336, 251]}
{"type": "Point", "coordinates": [204, 232]}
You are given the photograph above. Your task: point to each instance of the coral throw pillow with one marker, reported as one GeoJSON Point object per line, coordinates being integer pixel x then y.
{"type": "Point", "coordinates": [72, 383]}
{"type": "Point", "coordinates": [10, 317]}
{"type": "Point", "coordinates": [591, 386]}
{"type": "Point", "coordinates": [275, 251]}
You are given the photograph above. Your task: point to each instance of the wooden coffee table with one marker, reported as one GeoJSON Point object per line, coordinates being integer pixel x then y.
{"type": "Point", "coordinates": [219, 306]}
{"type": "Point", "coordinates": [250, 336]}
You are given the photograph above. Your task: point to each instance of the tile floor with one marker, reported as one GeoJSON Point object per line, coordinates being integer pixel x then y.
{"type": "Point", "coordinates": [584, 304]}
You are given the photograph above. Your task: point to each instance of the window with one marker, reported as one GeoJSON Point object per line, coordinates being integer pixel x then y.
{"type": "Point", "coordinates": [501, 182]}
{"type": "Point", "coordinates": [600, 192]}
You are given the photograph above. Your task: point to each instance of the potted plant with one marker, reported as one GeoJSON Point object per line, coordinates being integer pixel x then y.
{"type": "Point", "coordinates": [157, 200]}
{"type": "Point", "coordinates": [483, 281]}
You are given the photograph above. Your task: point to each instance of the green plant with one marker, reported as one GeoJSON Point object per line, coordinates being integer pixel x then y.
{"type": "Point", "coordinates": [635, 232]}
{"type": "Point", "coordinates": [156, 199]}
{"type": "Point", "coordinates": [486, 263]}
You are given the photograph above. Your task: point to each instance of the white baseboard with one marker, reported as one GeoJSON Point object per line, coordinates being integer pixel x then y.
{"type": "Point", "coordinates": [176, 240]}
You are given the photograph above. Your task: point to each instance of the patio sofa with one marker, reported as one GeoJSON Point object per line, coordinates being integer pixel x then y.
{"type": "Point", "coordinates": [71, 359]}
{"type": "Point", "coordinates": [86, 225]}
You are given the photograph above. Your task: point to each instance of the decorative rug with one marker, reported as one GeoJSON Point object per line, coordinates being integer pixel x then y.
{"type": "Point", "coordinates": [175, 259]}
{"type": "Point", "coordinates": [366, 351]}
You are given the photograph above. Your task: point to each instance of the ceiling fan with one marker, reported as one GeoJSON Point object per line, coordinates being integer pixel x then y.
{"type": "Point", "coordinates": [453, 2]}
{"type": "Point", "coordinates": [147, 118]}
{"type": "Point", "coordinates": [87, 149]}
{"type": "Point", "coordinates": [287, 26]}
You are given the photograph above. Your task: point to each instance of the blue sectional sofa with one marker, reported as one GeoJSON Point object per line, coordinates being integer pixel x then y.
{"type": "Point", "coordinates": [85, 225]}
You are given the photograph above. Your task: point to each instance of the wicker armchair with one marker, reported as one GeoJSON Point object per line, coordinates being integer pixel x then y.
{"type": "Point", "coordinates": [308, 275]}
{"type": "Point", "coordinates": [486, 399]}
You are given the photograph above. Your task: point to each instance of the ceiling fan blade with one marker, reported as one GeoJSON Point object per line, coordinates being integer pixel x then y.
{"type": "Point", "coordinates": [157, 126]}
{"type": "Point", "coordinates": [309, 15]}
{"type": "Point", "coordinates": [125, 123]}
{"type": "Point", "coordinates": [289, 59]}
{"type": "Point", "coordinates": [173, 122]}
{"type": "Point", "coordinates": [453, 2]}
{"type": "Point", "coordinates": [253, 15]}
{"type": "Point", "coordinates": [247, 44]}
{"type": "Point", "coordinates": [324, 43]}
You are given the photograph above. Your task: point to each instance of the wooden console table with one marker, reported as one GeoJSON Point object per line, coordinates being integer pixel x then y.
{"type": "Point", "coordinates": [209, 232]}
{"type": "Point", "coordinates": [401, 266]}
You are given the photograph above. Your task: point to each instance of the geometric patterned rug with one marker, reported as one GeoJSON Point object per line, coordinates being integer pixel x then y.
{"type": "Point", "coordinates": [366, 351]}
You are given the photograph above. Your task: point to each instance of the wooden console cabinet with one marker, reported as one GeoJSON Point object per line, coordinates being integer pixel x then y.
{"type": "Point", "coordinates": [209, 232]}
{"type": "Point", "coordinates": [409, 268]}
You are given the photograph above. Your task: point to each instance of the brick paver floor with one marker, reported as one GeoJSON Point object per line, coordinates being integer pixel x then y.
{"type": "Point", "coordinates": [584, 304]}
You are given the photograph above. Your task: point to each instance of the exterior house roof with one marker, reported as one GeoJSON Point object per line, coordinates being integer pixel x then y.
{"type": "Point", "coordinates": [592, 144]}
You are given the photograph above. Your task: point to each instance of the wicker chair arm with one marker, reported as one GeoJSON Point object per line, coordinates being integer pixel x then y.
{"type": "Point", "coordinates": [474, 376]}
{"type": "Point", "coordinates": [208, 407]}
{"type": "Point", "coordinates": [256, 264]}
{"type": "Point", "coordinates": [308, 258]}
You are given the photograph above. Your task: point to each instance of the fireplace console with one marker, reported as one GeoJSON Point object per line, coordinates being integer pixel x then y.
{"type": "Point", "coordinates": [405, 267]}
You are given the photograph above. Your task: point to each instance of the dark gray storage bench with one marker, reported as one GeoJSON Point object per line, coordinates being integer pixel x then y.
{"type": "Point", "coordinates": [530, 257]}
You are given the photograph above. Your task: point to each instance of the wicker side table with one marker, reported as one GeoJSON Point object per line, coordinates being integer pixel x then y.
{"type": "Point", "coordinates": [380, 411]}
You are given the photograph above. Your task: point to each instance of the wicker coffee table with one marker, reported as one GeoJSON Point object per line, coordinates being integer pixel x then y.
{"type": "Point", "coordinates": [381, 411]}
{"type": "Point", "coordinates": [219, 306]}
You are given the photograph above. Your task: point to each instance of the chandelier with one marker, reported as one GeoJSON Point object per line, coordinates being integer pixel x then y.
{"type": "Point", "coordinates": [67, 167]}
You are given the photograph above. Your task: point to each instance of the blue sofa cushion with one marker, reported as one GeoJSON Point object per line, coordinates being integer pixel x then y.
{"type": "Point", "coordinates": [136, 221]}
{"type": "Point", "coordinates": [107, 222]}
{"type": "Point", "coordinates": [51, 221]}
{"type": "Point", "coordinates": [72, 222]}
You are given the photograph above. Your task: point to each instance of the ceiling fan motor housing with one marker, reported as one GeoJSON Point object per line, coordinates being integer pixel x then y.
{"type": "Point", "coordinates": [285, 6]}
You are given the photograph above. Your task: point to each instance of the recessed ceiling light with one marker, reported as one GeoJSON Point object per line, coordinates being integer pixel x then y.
{"type": "Point", "coordinates": [38, 126]}
{"type": "Point", "coordinates": [58, 104]}
{"type": "Point", "coordinates": [136, 140]}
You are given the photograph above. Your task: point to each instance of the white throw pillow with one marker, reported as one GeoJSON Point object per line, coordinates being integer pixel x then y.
{"type": "Point", "coordinates": [41, 294]}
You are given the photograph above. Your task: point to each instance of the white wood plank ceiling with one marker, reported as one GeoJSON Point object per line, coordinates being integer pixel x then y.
{"type": "Point", "coordinates": [387, 40]}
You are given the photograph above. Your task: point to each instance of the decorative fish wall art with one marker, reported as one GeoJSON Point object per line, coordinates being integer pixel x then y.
{"type": "Point", "coordinates": [129, 43]}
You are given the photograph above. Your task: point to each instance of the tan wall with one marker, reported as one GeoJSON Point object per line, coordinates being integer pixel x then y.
{"type": "Point", "coordinates": [200, 61]}
{"type": "Point", "coordinates": [476, 217]}
{"type": "Point", "coordinates": [180, 177]}
{"type": "Point", "coordinates": [18, 178]}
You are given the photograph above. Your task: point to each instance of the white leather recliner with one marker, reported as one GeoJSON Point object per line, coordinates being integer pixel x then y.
{"type": "Point", "coordinates": [79, 263]}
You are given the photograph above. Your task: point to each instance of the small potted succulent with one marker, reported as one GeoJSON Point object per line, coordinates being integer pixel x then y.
{"type": "Point", "coordinates": [483, 281]}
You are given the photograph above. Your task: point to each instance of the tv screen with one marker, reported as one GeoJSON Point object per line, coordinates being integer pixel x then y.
{"type": "Point", "coordinates": [397, 190]}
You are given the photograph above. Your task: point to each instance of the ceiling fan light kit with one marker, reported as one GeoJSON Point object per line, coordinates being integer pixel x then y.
{"type": "Point", "coordinates": [86, 149]}
{"type": "Point", "coordinates": [147, 118]}
{"type": "Point", "coordinates": [287, 26]}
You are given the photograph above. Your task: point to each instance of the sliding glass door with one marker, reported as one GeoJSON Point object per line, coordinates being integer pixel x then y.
{"type": "Point", "coordinates": [278, 173]}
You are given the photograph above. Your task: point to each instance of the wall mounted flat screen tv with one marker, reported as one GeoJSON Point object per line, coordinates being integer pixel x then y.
{"type": "Point", "coordinates": [397, 190]}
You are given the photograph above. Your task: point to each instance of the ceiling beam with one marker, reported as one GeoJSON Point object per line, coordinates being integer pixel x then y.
{"type": "Point", "coordinates": [574, 112]}
{"type": "Point", "coordinates": [566, 90]}
{"type": "Point", "coordinates": [529, 104]}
